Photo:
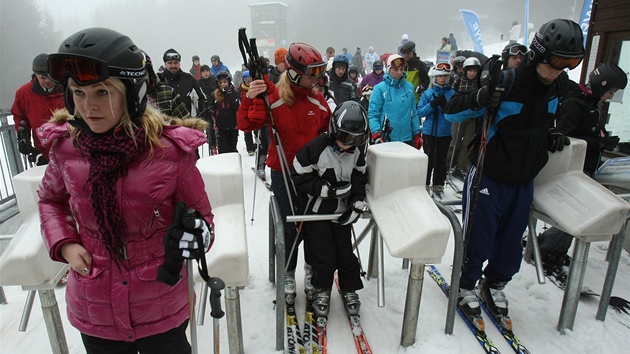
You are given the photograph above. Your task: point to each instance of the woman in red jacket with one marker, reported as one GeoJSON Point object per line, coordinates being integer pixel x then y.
{"type": "Point", "coordinates": [300, 113]}
{"type": "Point", "coordinates": [119, 188]}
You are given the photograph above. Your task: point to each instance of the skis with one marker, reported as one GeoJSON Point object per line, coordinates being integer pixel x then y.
{"type": "Point", "coordinates": [559, 275]}
{"type": "Point", "coordinates": [480, 334]}
{"type": "Point", "coordinates": [360, 340]}
{"type": "Point", "coordinates": [263, 179]}
{"type": "Point", "coordinates": [295, 345]}
{"type": "Point", "coordinates": [314, 335]}
{"type": "Point", "coordinates": [509, 336]}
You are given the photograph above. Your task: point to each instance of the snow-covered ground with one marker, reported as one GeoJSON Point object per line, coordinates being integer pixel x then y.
{"type": "Point", "coordinates": [534, 308]}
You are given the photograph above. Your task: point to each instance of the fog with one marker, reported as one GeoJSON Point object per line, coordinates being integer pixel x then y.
{"type": "Point", "coordinates": [206, 28]}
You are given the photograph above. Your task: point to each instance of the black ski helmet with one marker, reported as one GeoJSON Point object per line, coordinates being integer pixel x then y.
{"type": "Point", "coordinates": [557, 38]}
{"type": "Point", "coordinates": [349, 124]}
{"type": "Point", "coordinates": [606, 77]}
{"type": "Point", "coordinates": [95, 54]}
{"type": "Point", "coordinates": [408, 46]}
{"type": "Point", "coordinates": [378, 64]}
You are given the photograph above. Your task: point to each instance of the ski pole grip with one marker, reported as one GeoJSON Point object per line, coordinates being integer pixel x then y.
{"type": "Point", "coordinates": [216, 285]}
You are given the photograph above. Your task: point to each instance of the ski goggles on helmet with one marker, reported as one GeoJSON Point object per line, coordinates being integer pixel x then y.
{"type": "Point", "coordinates": [315, 71]}
{"type": "Point", "coordinates": [86, 70]}
{"type": "Point", "coordinates": [397, 63]}
{"type": "Point", "coordinates": [172, 56]}
{"type": "Point", "coordinates": [346, 138]}
{"type": "Point", "coordinates": [561, 61]}
{"type": "Point", "coordinates": [443, 67]}
{"type": "Point", "coordinates": [224, 75]}
{"type": "Point", "coordinates": [517, 50]}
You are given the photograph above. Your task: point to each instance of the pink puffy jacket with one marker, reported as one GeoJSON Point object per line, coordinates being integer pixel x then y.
{"type": "Point", "coordinates": [122, 303]}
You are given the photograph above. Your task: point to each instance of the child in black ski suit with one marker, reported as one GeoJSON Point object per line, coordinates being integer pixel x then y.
{"type": "Point", "coordinates": [329, 173]}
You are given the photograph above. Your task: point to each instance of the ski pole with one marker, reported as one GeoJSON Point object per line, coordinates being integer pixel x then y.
{"type": "Point", "coordinates": [216, 285]}
{"type": "Point", "coordinates": [255, 171]}
{"type": "Point", "coordinates": [191, 307]}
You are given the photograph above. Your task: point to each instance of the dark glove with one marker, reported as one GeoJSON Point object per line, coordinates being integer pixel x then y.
{"type": "Point", "coordinates": [257, 111]}
{"type": "Point", "coordinates": [228, 90]}
{"type": "Point", "coordinates": [438, 101]}
{"type": "Point", "coordinates": [556, 140]}
{"type": "Point", "coordinates": [417, 141]}
{"type": "Point", "coordinates": [377, 138]}
{"type": "Point", "coordinates": [620, 305]}
{"type": "Point", "coordinates": [609, 142]}
{"type": "Point", "coordinates": [188, 237]}
{"type": "Point", "coordinates": [37, 158]}
{"type": "Point", "coordinates": [339, 190]}
{"type": "Point", "coordinates": [488, 99]}
{"type": "Point", "coordinates": [353, 213]}
{"type": "Point", "coordinates": [24, 147]}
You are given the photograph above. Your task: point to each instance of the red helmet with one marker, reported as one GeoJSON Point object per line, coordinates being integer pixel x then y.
{"type": "Point", "coordinates": [304, 59]}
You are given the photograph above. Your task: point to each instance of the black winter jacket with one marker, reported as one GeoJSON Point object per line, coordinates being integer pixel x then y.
{"type": "Point", "coordinates": [344, 88]}
{"type": "Point", "coordinates": [517, 143]}
{"type": "Point", "coordinates": [184, 84]}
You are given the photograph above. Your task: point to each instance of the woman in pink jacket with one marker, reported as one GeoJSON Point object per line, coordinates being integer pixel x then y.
{"type": "Point", "coordinates": [120, 186]}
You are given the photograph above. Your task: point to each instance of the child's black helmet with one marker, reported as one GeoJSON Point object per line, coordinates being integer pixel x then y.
{"type": "Point", "coordinates": [349, 124]}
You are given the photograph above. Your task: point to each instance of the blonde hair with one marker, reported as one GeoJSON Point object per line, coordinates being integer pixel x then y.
{"type": "Point", "coordinates": [152, 120]}
{"type": "Point", "coordinates": [286, 92]}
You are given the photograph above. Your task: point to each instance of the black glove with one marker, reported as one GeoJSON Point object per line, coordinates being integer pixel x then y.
{"type": "Point", "coordinates": [228, 90]}
{"type": "Point", "coordinates": [488, 99]}
{"type": "Point", "coordinates": [556, 140]}
{"type": "Point", "coordinates": [339, 190]}
{"type": "Point", "coordinates": [609, 142]}
{"type": "Point", "coordinates": [620, 305]}
{"type": "Point", "coordinates": [188, 237]}
{"type": "Point", "coordinates": [37, 158]}
{"type": "Point", "coordinates": [353, 213]}
{"type": "Point", "coordinates": [438, 101]}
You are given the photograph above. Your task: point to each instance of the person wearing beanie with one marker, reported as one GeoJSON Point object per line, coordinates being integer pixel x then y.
{"type": "Point", "coordinates": [184, 83]}
{"type": "Point", "coordinates": [34, 105]}
{"type": "Point", "coordinates": [161, 96]}
{"type": "Point", "coordinates": [417, 73]}
{"type": "Point", "coordinates": [195, 71]}
{"type": "Point", "coordinates": [276, 71]}
{"type": "Point", "coordinates": [217, 66]}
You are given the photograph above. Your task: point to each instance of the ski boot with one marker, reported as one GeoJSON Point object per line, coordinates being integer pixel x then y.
{"type": "Point", "coordinates": [308, 286]}
{"type": "Point", "coordinates": [468, 303]}
{"type": "Point", "coordinates": [289, 286]}
{"type": "Point", "coordinates": [351, 302]}
{"type": "Point", "coordinates": [438, 191]}
{"type": "Point", "coordinates": [321, 304]}
{"type": "Point", "coordinates": [492, 295]}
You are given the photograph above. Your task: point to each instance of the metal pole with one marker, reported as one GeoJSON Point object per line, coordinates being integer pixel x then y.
{"type": "Point", "coordinates": [191, 307]}
{"type": "Point", "coordinates": [234, 326]}
{"type": "Point", "coordinates": [278, 230]}
{"type": "Point", "coordinates": [3, 298]}
{"type": "Point", "coordinates": [272, 244]}
{"type": "Point", "coordinates": [364, 233]}
{"type": "Point", "coordinates": [380, 282]}
{"type": "Point", "coordinates": [26, 313]}
{"type": "Point", "coordinates": [201, 316]}
{"type": "Point", "coordinates": [574, 286]}
{"type": "Point", "coordinates": [373, 259]}
{"type": "Point", "coordinates": [312, 217]}
{"type": "Point", "coordinates": [458, 257]}
{"type": "Point", "coordinates": [540, 273]}
{"type": "Point", "coordinates": [615, 248]}
{"type": "Point", "coordinates": [54, 326]}
{"type": "Point", "coordinates": [412, 305]}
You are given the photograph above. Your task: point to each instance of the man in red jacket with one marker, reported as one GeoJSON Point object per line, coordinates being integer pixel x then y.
{"type": "Point", "coordinates": [34, 105]}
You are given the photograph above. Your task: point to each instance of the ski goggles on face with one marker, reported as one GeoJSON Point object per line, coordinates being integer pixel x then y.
{"type": "Point", "coordinates": [561, 61]}
{"type": "Point", "coordinates": [398, 63]}
{"type": "Point", "coordinates": [517, 50]}
{"type": "Point", "coordinates": [346, 138]}
{"type": "Point", "coordinates": [322, 81]}
{"type": "Point", "coordinates": [315, 71]}
{"type": "Point", "coordinates": [86, 70]}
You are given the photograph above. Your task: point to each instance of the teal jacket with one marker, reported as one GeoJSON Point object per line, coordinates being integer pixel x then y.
{"type": "Point", "coordinates": [394, 99]}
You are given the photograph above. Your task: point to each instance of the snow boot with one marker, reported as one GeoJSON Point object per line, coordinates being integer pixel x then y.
{"type": "Point", "coordinates": [321, 302]}
{"type": "Point", "coordinates": [491, 293]}
{"type": "Point", "coordinates": [351, 302]}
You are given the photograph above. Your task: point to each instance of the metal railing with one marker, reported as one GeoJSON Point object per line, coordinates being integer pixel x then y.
{"type": "Point", "coordinates": [11, 161]}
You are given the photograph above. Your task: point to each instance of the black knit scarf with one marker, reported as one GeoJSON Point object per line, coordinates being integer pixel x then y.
{"type": "Point", "coordinates": [108, 155]}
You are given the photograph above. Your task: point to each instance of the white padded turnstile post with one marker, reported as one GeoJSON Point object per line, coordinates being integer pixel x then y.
{"type": "Point", "coordinates": [406, 218]}
{"type": "Point", "coordinates": [568, 199]}
{"type": "Point", "coordinates": [228, 258]}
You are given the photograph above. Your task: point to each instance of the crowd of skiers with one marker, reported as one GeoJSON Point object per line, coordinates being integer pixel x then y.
{"type": "Point", "coordinates": [126, 245]}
